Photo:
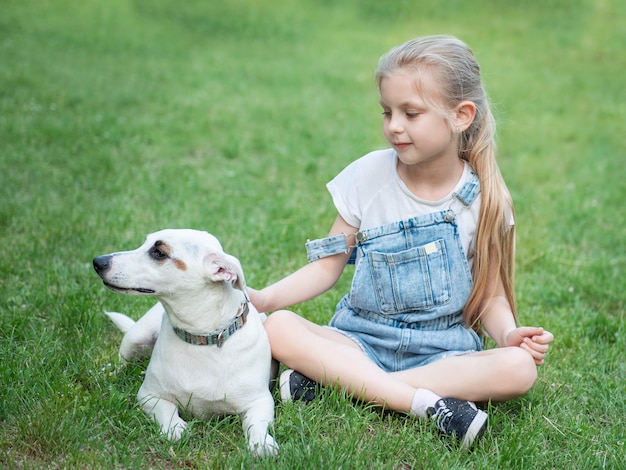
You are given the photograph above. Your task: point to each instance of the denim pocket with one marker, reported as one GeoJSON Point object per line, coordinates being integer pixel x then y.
{"type": "Point", "coordinates": [405, 281]}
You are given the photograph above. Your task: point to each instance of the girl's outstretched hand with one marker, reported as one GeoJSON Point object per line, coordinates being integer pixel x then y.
{"type": "Point", "coordinates": [535, 341]}
{"type": "Point", "coordinates": [257, 298]}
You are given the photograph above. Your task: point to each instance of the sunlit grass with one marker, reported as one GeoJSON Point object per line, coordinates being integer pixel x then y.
{"type": "Point", "coordinates": [124, 117]}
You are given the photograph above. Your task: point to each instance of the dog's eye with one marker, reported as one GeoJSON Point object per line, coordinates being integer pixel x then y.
{"type": "Point", "coordinates": [157, 254]}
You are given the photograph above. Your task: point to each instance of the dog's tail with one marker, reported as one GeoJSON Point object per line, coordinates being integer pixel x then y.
{"type": "Point", "coordinates": [123, 322]}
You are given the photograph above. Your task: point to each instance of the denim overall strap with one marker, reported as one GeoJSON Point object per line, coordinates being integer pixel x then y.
{"type": "Point", "coordinates": [337, 244]}
{"type": "Point", "coordinates": [328, 246]}
{"type": "Point", "coordinates": [468, 191]}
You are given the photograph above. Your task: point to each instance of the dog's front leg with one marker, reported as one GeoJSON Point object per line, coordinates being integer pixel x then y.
{"type": "Point", "coordinates": [141, 336]}
{"type": "Point", "coordinates": [165, 413]}
{"type": "Point", "coordinates": [255, 420]}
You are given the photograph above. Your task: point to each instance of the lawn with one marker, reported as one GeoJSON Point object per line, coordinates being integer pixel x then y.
{"type": "Point", "coordinates": [122, 117]}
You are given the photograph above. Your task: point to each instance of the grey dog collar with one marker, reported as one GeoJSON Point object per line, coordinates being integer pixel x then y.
{"type": "Point", "coordinates": [218, 337]}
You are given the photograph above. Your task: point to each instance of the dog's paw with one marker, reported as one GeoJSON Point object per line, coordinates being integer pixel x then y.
{"type": "Point", "coordinates": [175, 430]}
{"type": "Point", "coordinates": [264, 448]}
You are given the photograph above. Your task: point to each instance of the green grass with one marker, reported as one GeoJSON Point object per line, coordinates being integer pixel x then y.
{"type": "Point", "coordinates": [120, 117]}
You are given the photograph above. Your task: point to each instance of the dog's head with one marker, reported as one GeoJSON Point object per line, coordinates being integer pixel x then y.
{"type": "Point", "coordinates": [170, 263]}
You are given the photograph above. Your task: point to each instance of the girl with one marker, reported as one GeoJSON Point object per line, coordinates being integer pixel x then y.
{"type": "Point", "coordinates": [430, 224]}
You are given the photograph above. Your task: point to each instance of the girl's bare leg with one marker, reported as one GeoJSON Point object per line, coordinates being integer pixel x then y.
{"type": "Point", "coordinates": [495, 374]}
{"type": "Point", "coordinates": [330, 358]}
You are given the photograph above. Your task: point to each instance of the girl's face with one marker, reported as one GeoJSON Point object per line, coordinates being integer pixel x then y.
{"type": "Point", "coordinates": [415, 129]}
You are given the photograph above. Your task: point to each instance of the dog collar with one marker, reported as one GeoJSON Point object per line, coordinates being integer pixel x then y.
{"type": "Point", "coordinates": [218, 337]}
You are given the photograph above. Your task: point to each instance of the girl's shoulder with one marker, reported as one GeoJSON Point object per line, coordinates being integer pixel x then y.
{"type": "Point", "coordinates": [360, 183]}
{"type": "Point", "coordinates": [371, 166]}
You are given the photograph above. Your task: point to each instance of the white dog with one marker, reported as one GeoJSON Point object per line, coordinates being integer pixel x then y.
{"type": "Point", "coordinates": [211, 354]}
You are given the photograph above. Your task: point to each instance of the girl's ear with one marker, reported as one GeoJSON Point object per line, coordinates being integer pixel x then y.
{"type": "Point", "coordinates": [224, 267]}
{"type": "Point", "coordinates": [464, 115]}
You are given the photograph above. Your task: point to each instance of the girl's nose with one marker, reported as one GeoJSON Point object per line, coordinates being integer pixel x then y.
{"type": "Point", "coordinates": [395, 125]}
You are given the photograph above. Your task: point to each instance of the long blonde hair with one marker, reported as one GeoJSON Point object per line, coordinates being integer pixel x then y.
{"type": "Point", "coordinates": [458, 77]}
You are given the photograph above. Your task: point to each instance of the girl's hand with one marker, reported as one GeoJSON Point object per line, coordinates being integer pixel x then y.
{"type": "Point", "coordinates": [535, 341]}
{"type": "Point", "coordinates": [257, 298]}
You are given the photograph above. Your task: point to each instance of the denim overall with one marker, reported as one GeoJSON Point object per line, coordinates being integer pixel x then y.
{"type": "Point", "coordinates": [405, 307]}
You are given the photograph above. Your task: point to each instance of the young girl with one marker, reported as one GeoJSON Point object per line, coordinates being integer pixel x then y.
{"type": "Point", "coordinates": [430, 224]}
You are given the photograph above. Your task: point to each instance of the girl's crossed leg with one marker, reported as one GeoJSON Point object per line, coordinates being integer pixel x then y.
{"type": "Point", "coordinates": [331, 358]}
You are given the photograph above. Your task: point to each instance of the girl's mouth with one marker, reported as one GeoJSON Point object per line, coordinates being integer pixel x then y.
{"type": "Point", "coordinates": [401, 145]}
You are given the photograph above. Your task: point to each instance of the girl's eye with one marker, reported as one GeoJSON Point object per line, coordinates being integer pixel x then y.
{"type": "Point", "coordinates": [412, 115]}
{"type": "Point", "coordinates": [386, 113]}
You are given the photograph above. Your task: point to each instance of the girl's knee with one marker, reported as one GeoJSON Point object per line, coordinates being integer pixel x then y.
{"type": "Point", "coordinates": [279, 327]}
{"type": "Point", "coordinates": [277, 323]}
{"type": "Point", "coordinates": [523, 368]}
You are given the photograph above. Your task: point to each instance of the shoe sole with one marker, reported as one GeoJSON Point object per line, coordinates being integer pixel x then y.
{"type": "Point", "coordinates": [475, 430]}
{"type": "Point", "coordinates": [285, 388]}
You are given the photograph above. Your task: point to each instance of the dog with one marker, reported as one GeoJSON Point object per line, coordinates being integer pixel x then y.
{"type": "Point", "coordinates": [210, 352]}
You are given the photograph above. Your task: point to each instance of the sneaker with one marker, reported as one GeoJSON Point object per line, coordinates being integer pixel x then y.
{"type": "Point", "coordinates": [459, 419]}
{"type": "Point", "coordinates": [295, 386]}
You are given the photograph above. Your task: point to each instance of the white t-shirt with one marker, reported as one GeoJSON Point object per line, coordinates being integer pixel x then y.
{"type": "Point", "coordinates": [369, 193]}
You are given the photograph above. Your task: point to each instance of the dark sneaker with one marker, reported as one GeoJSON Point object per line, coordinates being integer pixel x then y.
{"type": "Point", "coordinates": [295, 386]}
{"type": "Point", "coordinates": [459, 419]}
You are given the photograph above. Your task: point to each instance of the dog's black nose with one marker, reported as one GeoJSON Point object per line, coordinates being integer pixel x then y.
{"type": "Point", "coordinates": [102, 263]}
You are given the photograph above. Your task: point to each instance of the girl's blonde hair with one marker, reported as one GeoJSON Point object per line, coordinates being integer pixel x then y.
{"type": "Point", "coordinates": [457, 73]}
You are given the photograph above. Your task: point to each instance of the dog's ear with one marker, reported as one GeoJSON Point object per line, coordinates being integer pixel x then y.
{"type": "Point", "coordinates": [224, 267]}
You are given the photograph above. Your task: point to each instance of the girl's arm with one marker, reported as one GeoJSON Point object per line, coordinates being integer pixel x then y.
{"type": "Point", "coordinates": [309, 281]}
{"type": "Point", "coordinates": [499, 323]}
